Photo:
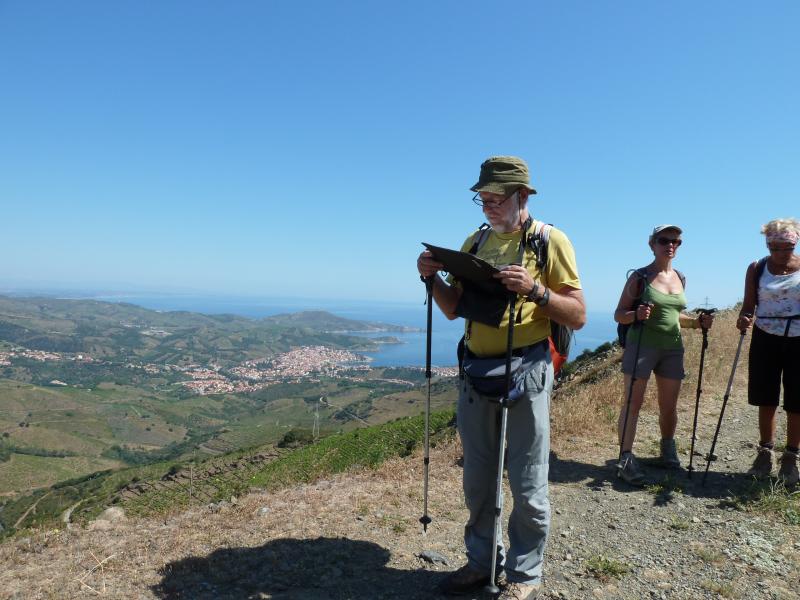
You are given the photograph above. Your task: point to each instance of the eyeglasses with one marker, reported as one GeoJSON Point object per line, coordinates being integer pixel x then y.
{"type": "Point", "coordinates": [665, 241]}
{"type": "Point", "coordinates": [490, 203]}
{"type": "Point", "coordinates": [788, 249]}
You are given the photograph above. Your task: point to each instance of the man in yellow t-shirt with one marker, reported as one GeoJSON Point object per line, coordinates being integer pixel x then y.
{"type": "Point", "coordinates": [502, 191]}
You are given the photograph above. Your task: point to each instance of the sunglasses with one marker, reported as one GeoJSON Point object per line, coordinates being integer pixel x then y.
{"type": "Point", "coordinates": [788, 249]}
{"type": "Point", "coordinates": [665, 241]}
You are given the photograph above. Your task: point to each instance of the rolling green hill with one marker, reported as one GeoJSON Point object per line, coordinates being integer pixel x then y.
{"type": "Point", "coordinates": [119, 331]}
{"type": "Point", "coordinates": [88, 386]}
{"type": "Point", "coordinates": [325, 321]}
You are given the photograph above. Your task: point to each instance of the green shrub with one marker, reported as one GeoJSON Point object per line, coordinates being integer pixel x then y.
{"type": "Point", "coordinates": [295, 438]}
{"type": "Point", "coordinates": [367, 447]}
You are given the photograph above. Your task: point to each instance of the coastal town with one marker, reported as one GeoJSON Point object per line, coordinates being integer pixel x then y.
{"type": "Point", "coordinates": [40, 356]}
{"type": "Point", "coordinates": [306, 363]}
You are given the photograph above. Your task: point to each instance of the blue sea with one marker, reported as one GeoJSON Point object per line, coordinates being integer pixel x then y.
{"type": "Point", "coordinates": [600, 327]}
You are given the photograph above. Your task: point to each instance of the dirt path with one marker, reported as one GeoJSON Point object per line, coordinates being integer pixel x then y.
{"type": "Point", "coordinates": [31, 508]}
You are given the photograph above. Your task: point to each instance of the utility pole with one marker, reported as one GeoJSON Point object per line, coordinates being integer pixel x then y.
{"type": "Point", "coordinates": [315, 431]}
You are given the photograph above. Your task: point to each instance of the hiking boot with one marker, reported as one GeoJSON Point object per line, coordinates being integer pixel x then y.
{"type": "Point", "coordinates": [788, 473]}
{"type": "Point", "coordinates": [669, 454]}
{"type": "Point", "coordinates": [520, 591]}
{"type": "Point", "coordinates": [463, 581]}
{"type": "Point", "coordinates": [628, 469]}
{"type": "Point", "coordinates": [762, 465]}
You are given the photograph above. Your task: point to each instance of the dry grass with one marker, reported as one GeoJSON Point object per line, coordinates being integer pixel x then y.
{"type": "Point", "coordinates": [706, 553]}
{"type": "Point", "coordinates": [588, 407]}
{"type": "Point", "coordinates": [136, 558]}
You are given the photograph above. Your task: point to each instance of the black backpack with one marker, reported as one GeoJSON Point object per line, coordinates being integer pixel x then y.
{"type": "Point", "coordinates": [561, 336]}
{"type": "Point", "coordinates": [641, 273]}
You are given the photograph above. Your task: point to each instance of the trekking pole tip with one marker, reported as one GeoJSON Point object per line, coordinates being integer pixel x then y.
{"type": "Point", "coordinates": [492, 589]}
{"type": "Point", "coordinates": [425, 520]}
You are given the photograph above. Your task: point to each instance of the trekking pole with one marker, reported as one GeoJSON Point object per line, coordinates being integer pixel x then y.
{"type": "Point", "coordinates": [711, 456]}
{"type": "Point", "coordinates": [640, 325]}
{"type": "Point", "coordinates": [701, 312]}
{"type": "Point", "coordinates": [425, 519]}
{"type": "Point", "coordinates": [505, 402]}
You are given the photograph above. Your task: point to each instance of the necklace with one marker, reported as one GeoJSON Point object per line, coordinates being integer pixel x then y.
{"type": "Point", "coordinates": [782, 270]}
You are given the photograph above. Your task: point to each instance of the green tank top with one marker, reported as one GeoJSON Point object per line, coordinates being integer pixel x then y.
{"type": "Point", "coordinates": [663, 329]}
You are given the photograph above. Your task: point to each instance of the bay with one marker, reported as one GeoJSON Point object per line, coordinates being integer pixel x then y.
{"type": "Point", "coordinates": [410, 351]}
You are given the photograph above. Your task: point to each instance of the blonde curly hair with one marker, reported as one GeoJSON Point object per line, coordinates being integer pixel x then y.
{"type": "Point", "coordinates": [779, 226]}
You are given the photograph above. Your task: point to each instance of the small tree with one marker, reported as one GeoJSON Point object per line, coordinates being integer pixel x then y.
{"type": "Point", "coordinates": [294, 438]}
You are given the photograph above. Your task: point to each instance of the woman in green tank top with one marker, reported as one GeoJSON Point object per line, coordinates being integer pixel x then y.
{"type": "Point", "coordinates": [653, 301]}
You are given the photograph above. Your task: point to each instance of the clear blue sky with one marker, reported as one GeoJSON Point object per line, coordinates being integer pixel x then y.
{"type": "Point", "coordinates": [307, 148]}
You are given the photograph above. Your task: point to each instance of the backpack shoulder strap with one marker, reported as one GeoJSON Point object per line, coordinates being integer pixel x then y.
{"type": "Point", "coordinates": [760, 266]}
{"type": "Point", "coordinates": [682, 277]}
{"type": "Point", "coordinates": [479, 238]}
{"type": "Point", "coordinates": [538, 241]}
{"type": "Point", "coordinates": [641, 272]}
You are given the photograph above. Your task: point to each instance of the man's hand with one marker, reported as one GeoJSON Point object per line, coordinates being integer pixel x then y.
{"type": "Point", "coordinates": [427, 266]}
{"type": "Point", "coordinates": [516, 279]}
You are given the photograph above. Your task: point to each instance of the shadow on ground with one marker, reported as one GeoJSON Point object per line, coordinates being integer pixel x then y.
{"type": "Point", "coordinates": [662, 483]}
{"type": "Point", "coordinates": [290, 569]}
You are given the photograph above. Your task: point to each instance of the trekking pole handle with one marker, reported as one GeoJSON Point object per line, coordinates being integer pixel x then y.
{"type": "Point", "coordinates": [428, 281]}
{"type": "Point", "coordinates": [636, 319]}
{"type": "Point", "coordinates": [700, 313]}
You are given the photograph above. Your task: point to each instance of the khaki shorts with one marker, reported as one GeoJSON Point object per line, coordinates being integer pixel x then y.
{"type": "Point", "coordinates": [664, 363]}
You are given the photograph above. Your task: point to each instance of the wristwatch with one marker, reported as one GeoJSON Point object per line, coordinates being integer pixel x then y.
{"type": "Point", "coordinates": [540, 300]}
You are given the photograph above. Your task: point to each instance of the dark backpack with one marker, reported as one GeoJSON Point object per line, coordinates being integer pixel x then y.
{"type": "Point", "coordinates": [561, 336]}
{"type": "Point", "coordinates": [641, 273]}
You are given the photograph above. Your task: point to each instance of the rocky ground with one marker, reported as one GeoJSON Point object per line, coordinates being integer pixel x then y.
{"type": "Point", "coordinates": [357, 535]}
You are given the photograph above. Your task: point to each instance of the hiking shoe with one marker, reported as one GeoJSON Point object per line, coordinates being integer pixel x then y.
{"type": "Point", "coordinates": [628, 469]}
{"type": "Point", "coordinates": [520, 591]}
{"type": "Point", "coordinates": [762, 465]}
{"type": "Point", "coordinates": [463, 581]}
{"type": "Point", "coordinates": [788, 473]}
{"type": "Point", "coordinates": [669, 454]}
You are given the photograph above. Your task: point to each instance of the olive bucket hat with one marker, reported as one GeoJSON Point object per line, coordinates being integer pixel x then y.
{"type": "Point", "coordinates": [503, 175]}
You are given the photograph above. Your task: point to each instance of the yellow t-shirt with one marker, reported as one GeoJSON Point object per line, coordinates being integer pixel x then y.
{"type": "Point", "coordinates": [500, 249]}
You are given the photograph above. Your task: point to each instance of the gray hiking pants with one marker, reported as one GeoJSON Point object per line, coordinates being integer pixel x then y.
{"type": "Point", "coordinates": [528, 443]}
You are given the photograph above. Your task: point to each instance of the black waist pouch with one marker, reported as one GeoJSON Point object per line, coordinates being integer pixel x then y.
{"type": "Point", "coordinates": [487, 376]}
{"type": "Point", "coordinates": [478, 304]}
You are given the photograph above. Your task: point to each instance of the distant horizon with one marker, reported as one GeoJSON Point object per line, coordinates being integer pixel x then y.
{"type": "Point", "coordinates": [102, 292]}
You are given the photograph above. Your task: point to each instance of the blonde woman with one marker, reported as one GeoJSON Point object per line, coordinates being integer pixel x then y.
{"type": "Point", "coordinates": [653, 299]}
{"type": "Point", "coordinates": [772, 303]}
